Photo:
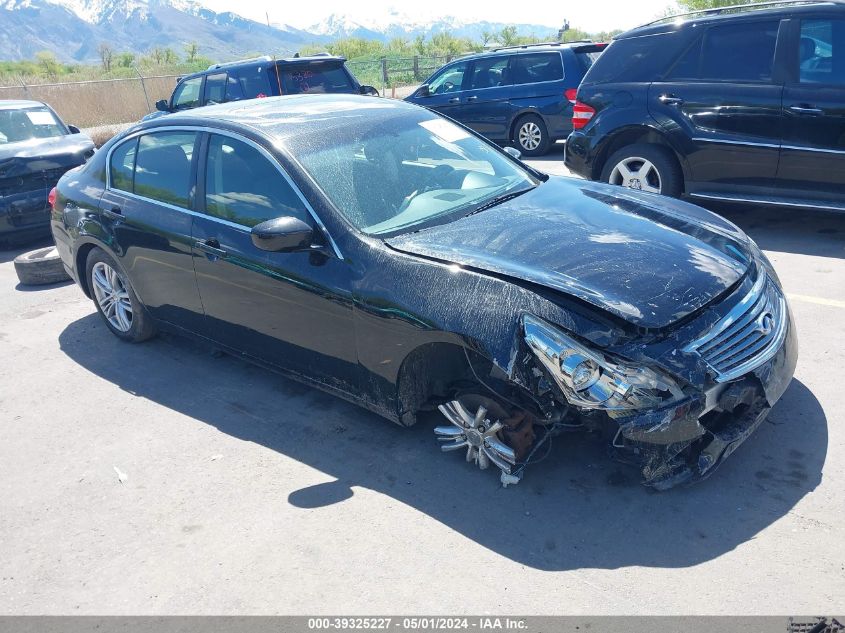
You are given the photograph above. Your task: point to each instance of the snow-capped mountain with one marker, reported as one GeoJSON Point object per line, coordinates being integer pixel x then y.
{"type": "Point", "coordinates": [74, 29]}
{"type": "Point", "coordinates": [393, 23]}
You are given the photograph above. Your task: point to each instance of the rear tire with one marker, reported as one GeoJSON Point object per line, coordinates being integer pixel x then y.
{"type": "Point", "coordinates": [116, 301]}
{"type": "Point", "coordinates": [530, 135]}
{"type": "Point", "coordinates": [40, 267]}
{"type": "Point", "coordinates": [645, 167]}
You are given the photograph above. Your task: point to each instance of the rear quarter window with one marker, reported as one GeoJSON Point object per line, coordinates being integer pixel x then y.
{"type": "Point", "coordinates": [319, 78]}
{"type": "Point", "coordinates": [536, 67]}
{"type": "Point", "coordinates": [642, 58]}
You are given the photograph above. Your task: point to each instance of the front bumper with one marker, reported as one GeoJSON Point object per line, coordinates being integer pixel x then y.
{"type": "Point", "coordinates": [687, 441]}
{"type": "Point", "coordinates": [25, 213]}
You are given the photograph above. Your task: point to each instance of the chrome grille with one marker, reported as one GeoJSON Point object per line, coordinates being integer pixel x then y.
{"type": "Point", "coordinates": [748, 336]}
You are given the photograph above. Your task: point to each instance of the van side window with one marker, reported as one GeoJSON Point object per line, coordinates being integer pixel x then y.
{"type": "Point", "coordinates": [739, 52]}
{"type": "Point", "coordinates": [490, 72]}
{"type": "Point", "coordinates": [449, 80]}
{"type": "Point", "coordinates": [536, 67]}
{"type": "Point", "coordinates": [821, 56]}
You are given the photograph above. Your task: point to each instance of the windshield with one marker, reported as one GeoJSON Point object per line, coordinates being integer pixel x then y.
{"type": "Point", "coordinates": [398, 174]}
{"type": "Point", "coordinates": [316, 78]}
{"type": "Point", "coordinates": [26, 124]}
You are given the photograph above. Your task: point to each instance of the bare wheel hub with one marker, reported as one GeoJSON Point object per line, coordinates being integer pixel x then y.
{"type": "Point", "coordinates": [477, 434]}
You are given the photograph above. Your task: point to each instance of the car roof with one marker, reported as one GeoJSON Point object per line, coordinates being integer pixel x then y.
{"type": "Point", "coordinates": [289, 116]}
{"type": "Point", "coordinates": [16, 104]}
{"type": "Point", "coordinates": [789, 8]}
{"type": "Point", "coordinates": [251, 63]}
{"type": "Point", "coordinates": [533, 48]}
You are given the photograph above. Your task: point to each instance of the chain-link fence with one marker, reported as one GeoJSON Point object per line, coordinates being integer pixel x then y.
{"type": "Point", "coordinates": [393, 75]}
{"type": "Point", "coordinates": [119, 101]}
{"type": "Point", "coordinates": [89, 104]}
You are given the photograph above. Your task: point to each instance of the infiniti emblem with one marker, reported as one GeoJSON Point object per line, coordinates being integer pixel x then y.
{"type": "Point", "coordinates": [765, 324]}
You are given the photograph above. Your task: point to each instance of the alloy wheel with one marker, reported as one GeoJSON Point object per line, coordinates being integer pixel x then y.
{"type": "Point", "coordinates": [636, 173]}
{"type": "Point", "coordinates": [112, 296]}
{"type": "Point", "coordinates": [530, 135]}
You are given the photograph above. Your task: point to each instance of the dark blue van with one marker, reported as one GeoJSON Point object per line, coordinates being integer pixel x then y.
{"type": "Point", "coordinates": [519, 94]}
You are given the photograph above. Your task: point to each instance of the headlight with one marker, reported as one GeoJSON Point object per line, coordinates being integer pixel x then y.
{"type": "Point", "coordinates": [590, 379]}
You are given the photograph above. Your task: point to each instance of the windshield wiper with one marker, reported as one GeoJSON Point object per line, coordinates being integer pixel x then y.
{"type": "Point", "coordinates": [496, 200]}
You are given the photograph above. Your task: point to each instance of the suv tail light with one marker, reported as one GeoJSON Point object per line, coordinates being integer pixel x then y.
{"type": "Point", "coordinates": [581, 114]}
{"type": "Point", "coordinates": [571, 95]}
{"type": "Point", "coordinates": [51, 197]}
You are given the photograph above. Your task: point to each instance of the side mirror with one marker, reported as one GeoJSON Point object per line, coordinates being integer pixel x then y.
{"type": "Point", "coordinates": [73, 129]}
{"type": "Point", "coordinates": [423, 91]}
{"type": "Point", "coordinates": [162, 105]}
{"type": "Point", "coordinates": [283, 235]}
{"type": "Point", "coordinates": [513, 152]}
{"type": "Point", "coordinates": [369, 91]}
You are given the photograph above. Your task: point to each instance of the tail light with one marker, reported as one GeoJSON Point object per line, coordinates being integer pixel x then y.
{"type": "Point", "coordinates": [571, 95]}
{"type": "Point", "coordinates": [581, 114]}
{"type": "Point", "coordinates": [51, 197]}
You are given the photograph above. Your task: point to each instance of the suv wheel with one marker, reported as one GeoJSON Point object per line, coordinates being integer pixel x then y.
{"type": "Point", "coordinates": [116, 302]}
{"type": "Point", "coordinates": [645, 167]}
{"type": "Point", "coordinates": [531, 135]}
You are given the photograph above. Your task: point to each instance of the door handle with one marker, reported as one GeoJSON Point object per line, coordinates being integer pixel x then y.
{"type": "Point", "coordinates": [210, 247]}
{"type": "Point", "coordinates": [455, 100]}
{"type": "Point", "coordinates": [670, 100]}
{"type": "Point", "coordinates": [806, 109]}
{"type": "Point", "coordinates": [472, 98]}
{"type": "Point", "coordinates": [114, 213]}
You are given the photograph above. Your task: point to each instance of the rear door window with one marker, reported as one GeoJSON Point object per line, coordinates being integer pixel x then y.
{"type": "Point", "coordinates": [739, 52]}
{"type": "Point", "coordinates": [319, 78]}
{"type": "Point", "coordinates": [215, 88]}
{"type": "Point", "coordinates": [163, 167]}
{"type": "Point", "coordinates": [536, 67]}
{"type": "Point", "coordinates": [821, 54]}
{"type": "Point", "coordinates": [187, 94]}
{"type": "Point", "coordinates": [490, 72]}
{"type": "Point", "coordinates": [243, 186]}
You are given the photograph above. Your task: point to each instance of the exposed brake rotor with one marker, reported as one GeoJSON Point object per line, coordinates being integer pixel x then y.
{"type": "Point", "coordinates": [478, 434]}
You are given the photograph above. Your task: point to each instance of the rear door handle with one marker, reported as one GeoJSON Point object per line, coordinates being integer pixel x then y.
{"type": "Point", "coordinates": [806, 109]}
{"type": "Point", "coordinates": [455, 100]}
{"type": "Point", "coordinates": [210, 247]}
{"type": "Point", "coordinates": [472, 98]}
{"type": "Point", "coordinates": [114, 213]}
{"type": "Point", "coordinates": [670, 100]}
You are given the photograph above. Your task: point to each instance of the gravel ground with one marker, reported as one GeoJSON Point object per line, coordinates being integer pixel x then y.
{"type": "Point", "coordinates": [160, 479]}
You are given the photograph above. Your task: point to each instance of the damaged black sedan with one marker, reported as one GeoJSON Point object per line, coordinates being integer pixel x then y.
{"type": "Point", "coordinates": [36, 148]}
{"type": "Point", "coordinates": [396, 259]}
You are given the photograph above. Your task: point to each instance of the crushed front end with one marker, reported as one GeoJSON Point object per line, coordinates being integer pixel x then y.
{"type": "Point", "coordinates": [675, 404]}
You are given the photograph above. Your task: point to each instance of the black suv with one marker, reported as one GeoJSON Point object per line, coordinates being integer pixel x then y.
{"type": "Point", "coordinates": [262, 77]}
{"type": "Point", "coordinates": [740, 104]}
{"type": "Point", "coordinates": [517, 94]}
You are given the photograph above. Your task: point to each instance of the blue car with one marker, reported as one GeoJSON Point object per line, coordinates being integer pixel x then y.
{"type": "Point", "coordinates": [519, 94]}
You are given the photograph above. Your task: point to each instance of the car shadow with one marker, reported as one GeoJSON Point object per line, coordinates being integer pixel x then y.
{"type": "Point", "coordinates": [575, 509]}
{"type": "Point", "coordinates": [787, 230]}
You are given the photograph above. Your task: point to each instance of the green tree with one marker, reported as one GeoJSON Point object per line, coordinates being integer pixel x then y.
{"type": "Point", "coordinates": [125, 59]}
{"type": "Point", "coordinates": [47, 63]}
{"type": "Point", "coordinates": [507, 36]}
{"type": "Point", "coordinates": [191, 50]}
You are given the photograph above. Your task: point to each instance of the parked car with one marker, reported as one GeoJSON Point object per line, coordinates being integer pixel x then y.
{"type": "Point", "coordinates": [739, 105]}
{"type": "Point", "coordinates": [519, 94]}
{"type": "Point", "coordinates": [36, 148]}
{"type": "Point", "coordinates": [390, 256]}
{"type": "Point", "coordinates": [262, 77]}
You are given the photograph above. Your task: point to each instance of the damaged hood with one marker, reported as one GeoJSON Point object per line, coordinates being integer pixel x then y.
{"type": "Point", "coordinates": [648, 259]}
{"type": "Point", "coordinates": [44, 155]}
